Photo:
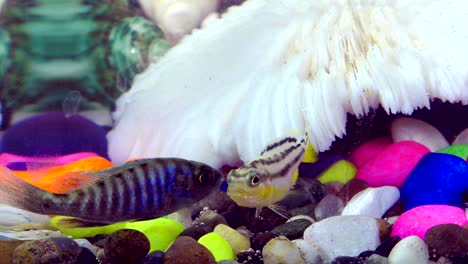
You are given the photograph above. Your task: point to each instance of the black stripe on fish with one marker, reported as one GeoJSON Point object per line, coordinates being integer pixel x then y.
{"type": "Point", "coordinates": [278, 144]}
{"type": "Point", "coordinates": [287, 167]}
{"type": "Point", "coordinates": [277, 158]}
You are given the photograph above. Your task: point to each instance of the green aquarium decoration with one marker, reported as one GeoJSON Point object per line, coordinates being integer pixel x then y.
{"type": "Point", "coordinates": [52, 49]}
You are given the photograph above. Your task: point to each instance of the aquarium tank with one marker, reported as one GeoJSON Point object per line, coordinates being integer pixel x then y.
{"type": "Point", "coordinates": [233, 131]}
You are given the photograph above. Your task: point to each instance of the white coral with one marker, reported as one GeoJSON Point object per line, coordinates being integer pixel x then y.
{"type": "Point", "coordinates": [228, 90]}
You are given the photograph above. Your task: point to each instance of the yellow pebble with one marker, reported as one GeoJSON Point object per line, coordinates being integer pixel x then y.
{"type": "Point", "coordinates": [237, 241]}
{"type": "Point", "coordinates": [342, 171]}
{"type": "Point", "coordinates": [218, 246]}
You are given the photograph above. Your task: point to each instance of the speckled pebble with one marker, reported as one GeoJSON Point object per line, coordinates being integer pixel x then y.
{"type": "Point", "coordinates": [447, 240]}
{"type": "Point", "coordinates": [411, 129]}
{"type": "Point", "coordinates": [411, 249]}
{"type": "Point", "coordinates": [7, 247]}
{"type": "Point", "coordinates": [126, 246]}
{"type": "Point", "coordinates": [281, 250]}
{"type": "Point", "coordinates": [392, 165]}
{"type": "Point", "coordinates": [437, 179]}
{"type": "Point", "coordinates": [329, 206]}
{"type": "Point", "coordinates": [54, 250]}
{"type": "Point", "coordinates": [185, 250]}
{"type": "Point", "coordinates": [218, 246]}
{"type": "Point", "coordinates": [333, 235]}
{"type": "Point", "coordinates": [419, 219]}
{"type": "Point", "coordinates": [292, 229]}
{"type": "Point", "coordinates": [250, 257]}
{"type": "Point", "coordinates": [237, 241]}
{"type": "Point", "coordinates": [372, 202]}
{"type": "Point", "coordinates": [310, 252]}
{"type": "Point", "coordinates": [376, 259]}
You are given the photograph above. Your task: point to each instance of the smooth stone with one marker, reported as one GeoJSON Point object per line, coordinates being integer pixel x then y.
{"type": "Point", "coordinates": [346, 260]}
{"type": "Point", "coordinates": [447, 240]}
{"type": "Point", "coordinates": [218, 246]}
{"type": "Point", "coordinates": [210, 219]}
{"type": "Point", "coordinates": [411, 249]}
{"type": "Point", "coordinates": [250, 257]}
{"type": "Point", "coordinates": [329, 206]}
{"type": "Point", "coordinates": [410, 129]}
{"type": "Point", "coordinates": [54, 134]}
{"type": "Point", "coordinates": [461, 138]}
{"type": "Point", "coordinates": [185, 250]}
{"type": "Point", "coordinates": [126, 246]}
{"type": "Point", "coordinates": [237, 241]}
{"type": "Point", "coordinates": [84, 243]}
{"type": "Point", "coordinates": [416, 221]}
{"type": "Point", "coordinates": [385, 229]}
{"type": "Point", "coordinates": [196, 231]}
{"type": "Point", "coordinates": [292, 229]}
{"type": "Point", "coordinates": [259, 240]}
{"type": "Point", "coordinates": [333, 235]}
{"type": "Point", "coordinates": [311, 253]}
{"type": "Point", "coordinates": [351, 188]}
{"type": "Point", "coordinates": [342, 171]}
{"type": "Point", "coordinates": [376, 259]}
{"type": "Point", "coordinates": [372, 202]}
{"type": "Point", "coordinates": [369, 149]}
{"type": "Point", "coordinates": [459, 150]}
{"type": "Point", "coordinates": [281, 250]}
{"type": "Point", "coordinates": [7, 247]}
{"type": "Point", "coordinates": [155, 257]}
{"type": "Point", "coordinates": [392, 165]}
{"type": "Point", "coordinates": [437, 179]}
{"type": "Point", "coordinates": [10, 216]}
{"type": "Point", "coordinates": [387, 245]}
{"type": "Point", "coordinates": [53, 250]}
{"type": "Point", "coordinates": [86, 256]}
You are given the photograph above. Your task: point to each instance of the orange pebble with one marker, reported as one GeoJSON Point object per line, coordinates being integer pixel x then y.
{"type": "Point", "coordinates": [62, 179]}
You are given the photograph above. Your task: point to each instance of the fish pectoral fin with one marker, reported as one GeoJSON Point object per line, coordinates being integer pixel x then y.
{"type": "Point", "coordinates": [280, 210]}
{"type": "Point", "coordinates": [71, 222]}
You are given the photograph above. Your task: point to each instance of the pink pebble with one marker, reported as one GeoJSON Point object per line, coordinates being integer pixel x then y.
{"type": "Point", "coordinates": [392, 165]}
{"type": "Point", "coordinates": [368, 150]}
{"type": "Point", "coordinates": [6, 158]}
{"type": "Point", "coordinates": [420, 219]}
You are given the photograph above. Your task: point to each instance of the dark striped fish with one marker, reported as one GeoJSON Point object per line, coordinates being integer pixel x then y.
{"type": "Point", "coordinates": [140, 189]}
{"type": "Point", "coordinates": [268, 179]}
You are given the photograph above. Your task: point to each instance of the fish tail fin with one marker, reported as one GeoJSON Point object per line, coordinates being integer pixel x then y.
{"type": "Point", "coordinates": [18, 193]}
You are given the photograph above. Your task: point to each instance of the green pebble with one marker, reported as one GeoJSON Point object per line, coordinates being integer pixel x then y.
{"type": "Point", "coordinates": [459, 150]}
{"type": "Point", "coordinates": [342, 171]}
{"type": "Point", "coordinates": [161, 232]}
{"type": "Point", "coordinates": [218, 246]}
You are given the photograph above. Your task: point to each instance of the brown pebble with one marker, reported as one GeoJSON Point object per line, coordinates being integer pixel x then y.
{"type": "Point", "coordinates": [53, 250]}
{"type": "Point", "coordinates": [126, 246]}
{"type": "Point", "coordinates": [185, 250]}
{"type": "Point", "coordinates": [449, 240]}
{"type": "Point", "coordinates": [6, 249]}
{"type": "Point", "coordinates": [385, 228]}
{"type": "Point", "coordinates": [351, 188]}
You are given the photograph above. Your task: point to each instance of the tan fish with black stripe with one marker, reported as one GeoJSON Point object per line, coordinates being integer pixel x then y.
{"type": "Point", "coordinates": [141, 189]}
{"type": "Point", "coordinates": [268, 178]}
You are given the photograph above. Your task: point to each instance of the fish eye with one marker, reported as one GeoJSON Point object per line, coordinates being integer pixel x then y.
{"type": "Point", "coordinates": [204, 177]}
{"type": "Point", "coordinates": [254, 180]}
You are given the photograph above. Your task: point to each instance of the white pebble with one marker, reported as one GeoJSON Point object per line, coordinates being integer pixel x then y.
{"type": "Point", "coordinates": [281, 250]}
{"type": "Point", "coordinates": [345, 235]}
{"type": "Point", "coordinates": [411, 249]}
{"type": "Point", "coordinates": [461, 138]}
{"type": "Point", "coordinates": [405, 128]}
{"type": "Point", "coordinates": [310, 252]}
{"type": "Point", "coordinates": [372, 202]}
{"type": "Point", "coordinates": [85, 243]}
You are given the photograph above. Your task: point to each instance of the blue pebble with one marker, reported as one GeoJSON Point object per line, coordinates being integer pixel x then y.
{"type": "Point", "coordinates": [54, 134]}
{"type": "Point", "coordinates": [437, 179]}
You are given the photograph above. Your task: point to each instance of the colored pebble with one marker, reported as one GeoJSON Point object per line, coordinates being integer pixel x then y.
{"type": "Point", "coordinates": [437, 179]}
{"type": "Point", "coordinates": [459, 150]}
{"type": "Point", "coordinates": [281, 250]}
{"type": "Point", "coordinates": [218, 246]}
{"type": "Point", "coordinates": [416, 221]}
{"type": "Point", "coordinates": [447, 240]}
{"type": "Point", "coordinates": [6, 159]}
{"type": "Point", "coordinates": [186, 250]}
{"type": "Point", "coordinates": [344, 235]}
{"type": "Point", "coordinates": [161, 232]}
{"type": "Point", "coordinates": [411, 249]}
{"type": "Point", "coordinates": [329, 206]}
{"type": "Point", "coordinates": [411, 129]}
{"type": "Point", "coordinates": [237, 241]}
{"type": "Point", "coordinates": [369, 149]}
{"type": "Point", "coordinates": [126, 246]}
{"type": "Point", "coordinates": [372, 202]}
{"type": "Point", "coordinates": [53, 250]}
{"type": "Point", "coordinates": [54, 134]}
{"type": "Point", "coordinates": [342, 171]}
{"type": "Point", "coordinates": [392, 165]}
{"type": "Point", "coordinates": [62, 179]}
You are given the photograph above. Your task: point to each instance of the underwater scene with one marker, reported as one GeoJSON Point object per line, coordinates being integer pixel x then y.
{"type": "Point", "coordinates": [234, 131]}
